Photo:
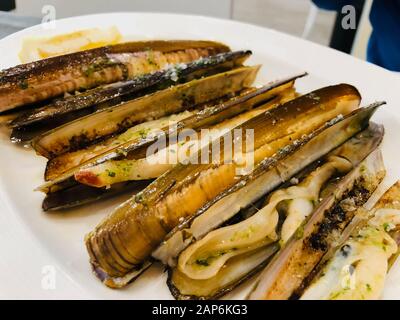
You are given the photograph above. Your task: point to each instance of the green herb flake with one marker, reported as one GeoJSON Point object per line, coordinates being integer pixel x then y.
{"type": "Point", "coordinates": [111, 173]}
{"type": "Point", "coordinates": [23, 84]}
{"type": "Point", "coordinates": [387, 226]}
{"type": "Point", "coordinates": [143, 133]}
{"type": "Point", "coordinates": [151, 59]}
{"type": "Point", "coordinates": [98, 66]}
{"type": "Point", "coordinates": [300, 232]}
{"type": "Point", "coordinates": [202, 262]}
{"type": "Point", "coordinates": [89, 71]}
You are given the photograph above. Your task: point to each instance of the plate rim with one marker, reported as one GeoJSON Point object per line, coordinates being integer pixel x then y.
{"type": "Point", "coordinates": [10, 208]}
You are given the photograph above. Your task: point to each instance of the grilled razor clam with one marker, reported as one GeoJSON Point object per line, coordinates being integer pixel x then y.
{"type": "Point", "coordinates": [151, 167]}
{"type": "Point", "coordinates": [144, 130]}
{"type": "Point", "coordinates": [63, 167]}
{"type": "Point", "coordinates": [124, 240]}
{"type": "Point", "coordinates": [357, 270]}
{"type": "Point", "coordinates": [239, 269]}
{"type": "Point", "coordinates": [264, 178]}
{"type": "Point", "coordinates": [206, 257]}
{"type": "Point", "coordinates": [113, 120]}
{"type": "Point", "coordinates": [284, 275]}
{"type": "Point", "coordinates": [75, 194]}
{"type": "Point", "coordinates": [207, 260]}
{"type": "Point", "coordinates": [66, 109]}
{"type": "Point", "coordinates": [147, 171]}
{"type": "Point", "coordinates": [52, 77]}
{"type": "Point", "coordinates": [189, 280]}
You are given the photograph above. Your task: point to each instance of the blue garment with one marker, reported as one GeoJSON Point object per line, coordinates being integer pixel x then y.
{"type": "Point", "coordinates": [384, 43]}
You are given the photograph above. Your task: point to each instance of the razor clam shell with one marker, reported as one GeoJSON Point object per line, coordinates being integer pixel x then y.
{"type": "Point", "coordinates": [113, 120]}
{"type": "Point", "coordinates": [162, 186]}
{"type": "Point", "coordinates": [390, 199]}
{"type": "Point", "coordinates": [267, 177]}
{"type": "Point", "coordinates": [116, 283]}
{"type": "Point", "coordinates": [63, 199]}
{"type": "Point", "coordinates": [47, 78]}
{"type": "Point", "coordinates": [203, 119]}
{"type": "Point", "coordinates": [268, 253]}
{"type": "Point", "coordinates": [79, 194]}
{"type": "Point", "coordinates": [126, 226]}
{"type": "Point", "coordinates": [360, 145]}
{"type": "Point", "coordinates": [27, 126]}
{"type": "Point", "coordinates": [284, 276]}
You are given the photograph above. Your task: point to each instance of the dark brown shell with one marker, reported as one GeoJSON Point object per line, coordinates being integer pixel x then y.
{"type": "Point", "coordinates": [91, 128]}
{"type": "Point", "coordinates": [124, 231]}
{"type": "Point", "coordinates": [26, 83]}
{"type": "Point", "coordinates": [355, 150]}
{"type": "Point", "coordinates": [63, 110]}
{"type": "Point", "coordinates": [288, 273]}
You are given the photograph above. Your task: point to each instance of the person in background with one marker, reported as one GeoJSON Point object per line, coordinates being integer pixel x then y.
{"type": "Point", "coordinates": [384, 43]}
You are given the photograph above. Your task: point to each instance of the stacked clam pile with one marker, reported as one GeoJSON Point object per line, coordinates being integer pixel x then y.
{"type": "Point", "coordinates": [295, 215]}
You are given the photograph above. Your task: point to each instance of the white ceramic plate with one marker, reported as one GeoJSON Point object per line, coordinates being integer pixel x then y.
{"type": "Point", "coordinates": [36, 248]}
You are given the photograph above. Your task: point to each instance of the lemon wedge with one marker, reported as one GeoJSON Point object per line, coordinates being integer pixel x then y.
{"type": "Point", "coordinates": [34, 49]}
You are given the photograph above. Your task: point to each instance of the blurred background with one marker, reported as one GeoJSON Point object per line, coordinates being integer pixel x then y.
{"type": "Point", "coordinates": [297, 17]}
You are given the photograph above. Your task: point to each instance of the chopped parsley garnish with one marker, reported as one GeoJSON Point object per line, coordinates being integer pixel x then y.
{"type": "Point", "coordinates": [300, 232]}
{"type": "Point", "coordinates": [387, 227]}
{"type": "Point", "coordinates": [202, 262]}
{"type": "Point", "coordinates": [89, 71]}
{"type": "Point", "coordinates": [143, 133]}
{"type": "Point", "coordinates": [111, 173]}
{"type": "Point", "coordinates": [151, 59]}
{"type": "Point", "coordinates": [23, 84]}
